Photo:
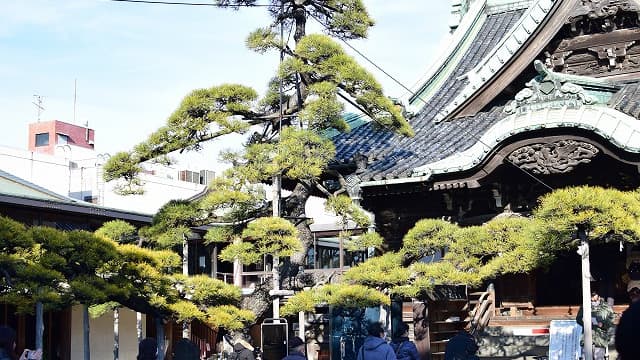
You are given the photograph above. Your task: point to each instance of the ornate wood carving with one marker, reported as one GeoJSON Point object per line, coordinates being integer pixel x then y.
{"type": "Point", "coordinates": [553, 158]}
{"type": "Point", "coordinates": [599, 38]}
{"type": "Point", "coordinates": [599, 54]}
{"type": "Point", "coordinates": [595, 16]}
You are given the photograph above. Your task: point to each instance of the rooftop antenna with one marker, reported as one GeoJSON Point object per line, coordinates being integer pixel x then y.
{"type": "Point", "coordinates": [38, 104]}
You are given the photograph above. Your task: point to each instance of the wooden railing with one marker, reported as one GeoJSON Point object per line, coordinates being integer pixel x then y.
{"type": "Point", "coordinates": [256, 277]}
{"type": "Point", "coordinates": [483, 310]}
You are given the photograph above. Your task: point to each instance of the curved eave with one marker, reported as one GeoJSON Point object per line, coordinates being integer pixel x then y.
{"type": "Point", "coordinates": [449, 56]}
{"type": "Point", "coordinates": [621, 130]}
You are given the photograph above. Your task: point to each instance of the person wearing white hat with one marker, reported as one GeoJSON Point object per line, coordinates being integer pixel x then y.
{"type": "Point", "coordinates": [242, 350]}
{"type": "Point", "coordinates": [633, 289]}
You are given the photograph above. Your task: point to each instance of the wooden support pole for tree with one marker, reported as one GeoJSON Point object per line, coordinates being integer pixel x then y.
{"type": "Point", "coordinates": [39, 325]}
{"type": "Point", "coordinates": [160, 337]}
{"type": "Point", "coordinates": [116, 334]}
{"type": "Point", "coordinates": [583, 251]}
{"type": "Point", "coordinates": [86, 332]}
{"type": "Point", "coordinates": [275, 269]}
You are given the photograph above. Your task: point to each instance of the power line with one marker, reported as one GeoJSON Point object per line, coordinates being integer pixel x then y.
{"type": "Point", "coordinates": [474, 136]}
{"type": "Point", "coordinates": [189, 3]}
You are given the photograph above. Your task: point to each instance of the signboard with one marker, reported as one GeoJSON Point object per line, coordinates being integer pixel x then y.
{"type": "Point", "coordinates": [564, 340]}
{"type": "Point", "coordinates": [275, 338]}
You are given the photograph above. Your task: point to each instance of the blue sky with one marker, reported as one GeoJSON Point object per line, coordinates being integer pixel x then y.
{"type": "Point", "coordinates": [133, 63]}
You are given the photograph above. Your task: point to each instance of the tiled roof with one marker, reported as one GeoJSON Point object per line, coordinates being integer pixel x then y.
{"type": "Point", "coordinates": [394, 156]}
{"type": "Point", "coordinates": [627, 100]}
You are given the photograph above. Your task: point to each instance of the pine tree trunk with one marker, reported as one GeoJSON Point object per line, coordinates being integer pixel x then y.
{"type": "Point", "coordinates": [294, 206]}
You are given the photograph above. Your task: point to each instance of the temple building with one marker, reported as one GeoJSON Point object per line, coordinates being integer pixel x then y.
{"type": "Point", "coordinates": [529, 96]}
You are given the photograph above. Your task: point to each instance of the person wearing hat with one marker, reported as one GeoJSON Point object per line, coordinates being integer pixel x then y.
{"type": "Point", "coordinates": [242, 350]}
{"type": "Point", "coordinates": [186, 349]}
{"type": "Point", "coordinates": [147, 349]}
{"type": "Point", "coordinates": [633, 289]}
{"type": "Point", "coordinates": [296, 350]}
{"type": "Point", "coordinates": [602, 317]}
{"type": "Point", "coordinates": [628, 332]}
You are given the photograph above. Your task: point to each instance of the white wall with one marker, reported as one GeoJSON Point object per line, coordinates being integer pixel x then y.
{"type": "Point", "coordinates": [101, 335]}
{"type": "Point", "coordinates": [78, 174]}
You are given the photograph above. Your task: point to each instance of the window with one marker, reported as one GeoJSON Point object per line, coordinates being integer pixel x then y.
{"type": "Point", "coordinates": [62, 139]}
{"type": "Point", "coordinates": [325, 254]}
{"type": "Point", "coordinates": [42, 139]}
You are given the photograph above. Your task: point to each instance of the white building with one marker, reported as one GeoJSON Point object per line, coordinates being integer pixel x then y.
{"type": "Point", "coordinates": [61, 158]}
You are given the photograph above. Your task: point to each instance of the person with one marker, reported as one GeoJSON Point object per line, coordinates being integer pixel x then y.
{"type": "Point", "coordinates": [462, 346]}
{"type": "Point", "coordinates": [242, 350]}
{"type": "Point", "coordinates": [633, 289]}
{"type": "Point", "coordinates": [404, 348]}
{"type": "Point", "coordinates": [627, 335]}
{"type": "Point", "coordinates": [602, 317]}
{"type": "Point", "coordinates": [8, 346]}
{"type": "Point", "coordinates": [147, 349]}
{"type": "Point", "coordinates": [185, 349]}
{"type": "Point", "coordinates": [296, 350]}
{"type": "Point", "coordinates": [375, 347]}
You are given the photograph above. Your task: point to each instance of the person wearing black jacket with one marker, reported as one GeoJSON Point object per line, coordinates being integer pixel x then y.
{"type": "Point", "coordinates": [628, 333]}
{"type": "Point", "coordinates": [463, 346]}
{"type": "Point", "coordinates": [404, 348]}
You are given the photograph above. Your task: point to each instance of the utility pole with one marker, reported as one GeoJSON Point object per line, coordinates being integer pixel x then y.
{"type": "Point", "coordinates": [277, 185]}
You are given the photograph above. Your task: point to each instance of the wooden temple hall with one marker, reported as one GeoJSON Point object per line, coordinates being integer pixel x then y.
{"type": "Point", "coordinates": [542, 88]}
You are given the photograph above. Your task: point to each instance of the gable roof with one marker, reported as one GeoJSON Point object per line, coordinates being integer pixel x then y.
{"type": "Point", "coordinates": [432, 141]}
{"type": "Point", "coordinates": [461, 123]}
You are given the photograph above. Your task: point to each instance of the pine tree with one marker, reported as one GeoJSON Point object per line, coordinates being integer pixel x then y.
{"type": "Point", "coordinates": [305, 99]}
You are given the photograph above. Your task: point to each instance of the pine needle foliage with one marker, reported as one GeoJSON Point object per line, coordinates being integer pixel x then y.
{"type": "Point", "coordinates": [364, 241]}
{"type": "Point", "coordinates": [315, 73]}
{"type": "Point", "coordinates": [504, 245]}
{"type": "Point", "coordinates": [229, 317]}
{"type": "Point", "coordinates": [62, 268]}
{"type": "Point", "coordinates": [303, 101]}
{"type": "Point", "coordinates": [118, 230]}
{"type": "Point", "coordinates": [605, 214]}
{"type": "Point", "coordinates": [427, 237]}
{"type": "Point", "coordinates": [380, 272]}
{"type": "Point", "coordinates": [343, 295]}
